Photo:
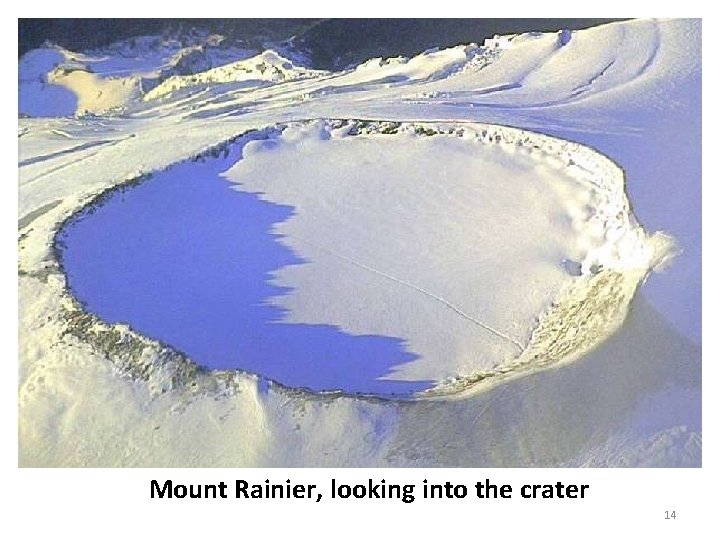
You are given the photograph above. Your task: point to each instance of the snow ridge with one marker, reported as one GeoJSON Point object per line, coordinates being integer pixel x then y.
{"type": "Point", "coordinates": [268, 66]}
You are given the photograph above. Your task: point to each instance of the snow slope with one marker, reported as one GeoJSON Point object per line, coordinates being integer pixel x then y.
{"type": "Point", "coordinates": [623, 88]}
{"type": "Point", "coordinates": [112, 77]}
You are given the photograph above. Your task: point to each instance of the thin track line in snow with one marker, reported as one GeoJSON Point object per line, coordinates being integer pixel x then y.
{"type": "Point", "coordinates": [432, 295]}
{"type": "Point", "coordinates": [100, 147]}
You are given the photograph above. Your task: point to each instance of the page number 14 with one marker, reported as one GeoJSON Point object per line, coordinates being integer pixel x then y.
{"type": "Point", "coordinates": [669, 514]}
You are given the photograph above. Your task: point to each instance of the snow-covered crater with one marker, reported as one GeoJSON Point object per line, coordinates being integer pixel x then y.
{"type": "Point", "coordinates": [379, 258]}
{"type": "Point", "coordinates": [96, 393]}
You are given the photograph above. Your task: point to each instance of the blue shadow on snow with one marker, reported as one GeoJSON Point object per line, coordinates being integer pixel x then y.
{"type": "Point", "coordinates": [187, 259]}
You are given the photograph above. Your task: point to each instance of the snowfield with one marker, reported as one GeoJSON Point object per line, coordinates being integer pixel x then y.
{"type": "Point", "coordinates": [490, 210]}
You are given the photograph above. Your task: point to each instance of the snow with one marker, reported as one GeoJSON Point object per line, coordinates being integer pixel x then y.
{"type": "Point", "coordinates": [35, 96]}
{"type": "Point", "coordinates": [268, 66]}
{"type": "Point", "coordinates": [466, 279]}
{"type": "Point", "coordinates": [113, 77]}
{"type": "Point", "coordinates": [465, 299]}
{"type": "Point", "coordinates": [624, 391]}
